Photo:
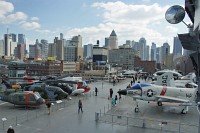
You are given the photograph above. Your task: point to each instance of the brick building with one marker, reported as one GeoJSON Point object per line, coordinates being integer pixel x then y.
{"type": "Point", "coordinates": [148, 66]}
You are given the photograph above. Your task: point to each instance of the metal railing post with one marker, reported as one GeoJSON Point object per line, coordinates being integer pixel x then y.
{"type": "Point", "coordinates": [112, 118]}
{"type": "Point", "coordinates": [16, 120]}
{"type": "Point", "coordinates": [104, 110]}
{"type": "Point", "coordinates": [27, 115]}
{"type": "Point", "coordinates": [143, 124]}
{"type": "Point", "coordinates": [127, 121]}
{"type": "Point", "coordinates": [3, 125]}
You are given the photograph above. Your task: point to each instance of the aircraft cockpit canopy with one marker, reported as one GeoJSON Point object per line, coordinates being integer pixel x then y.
{"type": "Point", "coordinates": [139, 86]}
{"type": "Point", "coordinates": [84, 84]}
{"type": "Point", "coordinates": [37, 95]}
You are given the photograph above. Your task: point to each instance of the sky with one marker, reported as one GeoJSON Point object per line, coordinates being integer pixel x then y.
{"type": "Point", "coordinates": [92, 19]}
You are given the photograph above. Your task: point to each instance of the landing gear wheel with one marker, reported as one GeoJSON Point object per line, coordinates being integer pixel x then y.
{"type": "Point", "coordinates": [136, 110]}
{"type": "Point", "coordinates": [159, 103]}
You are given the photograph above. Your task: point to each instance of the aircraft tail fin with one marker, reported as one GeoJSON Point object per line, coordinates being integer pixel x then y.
{"type": "Point", "coordinates": [166, 79]}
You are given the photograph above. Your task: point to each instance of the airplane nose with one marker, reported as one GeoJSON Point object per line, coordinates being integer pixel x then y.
{"type": "Point", "coordinates": [122, 92]}
{"type": "Point", "coordinates": [41, 101]}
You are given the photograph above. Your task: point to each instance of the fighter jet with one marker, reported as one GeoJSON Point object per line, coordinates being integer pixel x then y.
{"type": "Point", "coordinates": [161, 93]}
{"type": "Point", "coordinates": [185, 81]}
{"type": "Point", "coordinates": [24, 98]}
{"type": "Point", "coordinates": [49, 93]}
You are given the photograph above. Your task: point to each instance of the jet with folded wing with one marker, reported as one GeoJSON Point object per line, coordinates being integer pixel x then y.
{"type": "Point", "coordinates": [161, 93]}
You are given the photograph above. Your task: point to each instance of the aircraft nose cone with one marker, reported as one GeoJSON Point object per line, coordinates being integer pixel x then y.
{"type": "Point", "coordinates": [41, 101]}
{"type": "Point", "coordinates": [122, 92]}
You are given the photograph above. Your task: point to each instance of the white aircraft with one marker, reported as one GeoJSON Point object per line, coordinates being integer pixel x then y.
{"type": "Point", "coordinates": [161, 93]}
{"type": "Point", "coordinates": [176, 75]}
{"type": "Point", "coordinates": [185, 81]}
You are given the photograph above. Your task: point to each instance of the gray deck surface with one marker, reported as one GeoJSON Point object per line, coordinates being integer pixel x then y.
{"type": "Point", "coordinates": [65, 117]}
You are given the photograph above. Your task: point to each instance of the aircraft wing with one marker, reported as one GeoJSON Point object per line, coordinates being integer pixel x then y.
{"type": "Point", "coordinates": [172, 99]}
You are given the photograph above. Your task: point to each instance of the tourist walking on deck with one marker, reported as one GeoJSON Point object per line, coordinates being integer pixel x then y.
{"type": "Point", "coordinates": [120, 96]}
{"type": "Point", "coordinates": [111, 92]}
{"type": "Point", "coordinates": [116, 98]}
{"type": "Point", "coordinates": [96, 90]}
{"type": "Point", "coordinates": [80, 106]}
{"type": "Point", "coordinates": [48, 107]}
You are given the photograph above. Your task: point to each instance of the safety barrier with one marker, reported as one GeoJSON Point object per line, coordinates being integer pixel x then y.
{"type": "Point", "coordinates": [155, 124]}
{"type": "Point", "coordinates": [30, 114]}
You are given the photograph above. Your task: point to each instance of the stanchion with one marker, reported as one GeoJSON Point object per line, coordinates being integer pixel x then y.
{"type": "Point", "coordinates": [143, 124]}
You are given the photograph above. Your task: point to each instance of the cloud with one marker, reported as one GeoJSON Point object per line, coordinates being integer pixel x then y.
{"type": "Point", "coordinates": [30, 25]}
{"type": "Point", "coordinates": [5, 7]}
{"type": "Point", "coordinates": [8, 16]}
{"type": "Point", "coordinates": [130, 22]}
{"type": "Point", "coordinates": [43, 31]}
{"type": "Point", "coordinates": [172, 29]}
{"type": "Point", "coordinates": [18, 16]}
{"type": "Point", "coordinates": [34, 18]}
{"type": "Point", "coordinates": [127, 13]}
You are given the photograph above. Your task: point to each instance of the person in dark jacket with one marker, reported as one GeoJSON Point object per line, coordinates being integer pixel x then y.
{"type": "Point", "coordinates": [48, 107]}
{"type": "Point", "coordinates": [111, 92]}
{"type": "Point", "coordinates": [116, 98]}
{"type": "Point", "coordinates": [96, 90]}
{"type": "Point", "coordinates": [10, 130]}
{"type": "Point", "coordinates": [80, 106]}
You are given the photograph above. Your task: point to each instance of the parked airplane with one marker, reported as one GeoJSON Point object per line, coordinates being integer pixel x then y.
{"type": "Point", "coordinates": [161, 93]}
{"type": "Point", "coordinates": [50, 93]}
{"type": "Point", "coordinates": [184, 82]}
{"type": "Point", "coordinates": [24, 98]}
{"type": "Point", "coordinates": [176, 75]}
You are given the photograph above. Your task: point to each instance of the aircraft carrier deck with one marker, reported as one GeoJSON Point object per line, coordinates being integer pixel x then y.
{"type": "Point", "coordinates": [118, 119]}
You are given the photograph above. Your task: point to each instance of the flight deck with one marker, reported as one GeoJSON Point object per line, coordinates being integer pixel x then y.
{"type": "Point", "coordinates": [99, 115]}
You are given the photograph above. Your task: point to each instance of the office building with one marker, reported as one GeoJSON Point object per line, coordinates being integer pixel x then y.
{"type": "Point", "coordinates": [44, 48]}
{"type": "Point", "coordinates": [153, 51]}
{"type": "Point", "coordinates": [177, 48]}
{"type": "Point", "coordinates": [113, 41]}
{"type": "Point", "coordinates": [88, 51]}
{"type": "Point", "coordinates": [125, 59]}
{"type": "Point", "coordinates": [2, 51]}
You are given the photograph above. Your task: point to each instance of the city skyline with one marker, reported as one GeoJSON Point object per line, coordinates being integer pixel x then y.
{"type": "Point", "coordinates": [93, 20]}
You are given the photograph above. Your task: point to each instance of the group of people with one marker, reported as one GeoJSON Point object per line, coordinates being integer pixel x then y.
{"type": "Point", "coordinates": [113, 99]}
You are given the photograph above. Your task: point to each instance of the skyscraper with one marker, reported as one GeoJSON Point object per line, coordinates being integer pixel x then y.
{"type": "Point", "coordinates": [147, 52]}
{"type": "Point", "coordinates": [106, 42]}
{"type": "Point", "coordinates": [153, 51]}
{"type": "Point", "coordinates": [158, 55]}
{"type": "Point", "coordinates": [61, 36]}
{"type": "Point", "coordinates": [22, 40]}
{"type": "Point", "coordinates": [88, 51]}
{"type": "Point", "coordinates": [73, 50]}
{"type": "Point", "coordinates": [14, 37]}
{"type": "Point", "coordinates": [59, 48]}
{"type": "Point", "coordinates": [113, 41]}
{"type": "Point", "coordinates": [177, 49]}
{"type": "Point", "coordinates": [165, 50]}
{"type": "Point", "coordinates": [19, 51]}
{"type": "Point", "coordinates": [142, 47]}
{"type": "Point", "coordinates": [44, 48]}
{"type": "Point", "coordinates": [7, 44]}
{"type": "Point", "coordinates": [2, 51]}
